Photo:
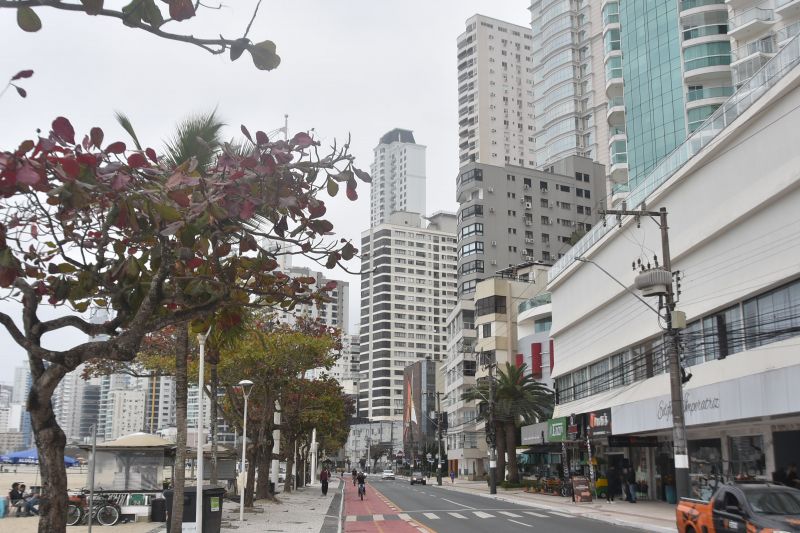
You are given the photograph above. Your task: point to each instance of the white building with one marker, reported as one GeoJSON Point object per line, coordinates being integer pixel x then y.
{"type": "Point", "coordinates": [495, 93]}
{"type": "Point", "coordinates": [731, 192]}
{"type": "Point", "coordinates": [345, 370]}
{"type": "Point", "coordinates": [373, 438]}
{"type": "Point", "coordinates": [568, 81]}
{"type": "Point", "coordinates": [398, 176]}
{"type": "Point", "coordinates": [127, 412]}
{"type": "Point", "coordinates": [159, 402]}
{"type": "Point", "coordinates": [408, 286]}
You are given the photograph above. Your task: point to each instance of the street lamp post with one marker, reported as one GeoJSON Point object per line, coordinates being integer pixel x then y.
{"type": "Point", "coordinates": [245, 384]}
{"type": "Point", "coordinates": [198, 511]}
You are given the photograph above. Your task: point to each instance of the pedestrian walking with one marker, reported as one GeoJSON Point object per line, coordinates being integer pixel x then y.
{"type": "Point", "coordinates": [324, 476]}
{"type": "Point", "coordinates": [631, 479]}
{"type": "Point", "coordinates": [613, 484]}
{"type": "Point", "coordinates": [452, 477]}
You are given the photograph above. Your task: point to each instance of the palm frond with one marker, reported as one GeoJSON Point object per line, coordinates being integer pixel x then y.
{"type": "Point", "coordinates": [125, 122]}
{"type": "Point", "coordinates": [196, 137]}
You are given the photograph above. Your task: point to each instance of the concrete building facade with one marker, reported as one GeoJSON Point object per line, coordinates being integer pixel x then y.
{"type": "Point", "coordinates": [398, 176]}
{"type": "Point", "coordinates": [495, 93]}
{"type": "Point", "coordinates": [739, 346]}
{"type": "Point", "coordinates": [408, 286]}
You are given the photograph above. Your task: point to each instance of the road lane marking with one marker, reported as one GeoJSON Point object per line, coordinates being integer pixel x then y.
{"type": "Point", "coordinates": [509, 513]}
{"type": "Point", "coordinates": [520, 523]}
{"type": "Point", "coordinates": [431, 516]}
{"type": "Point", "coordinates": [459, 504]}
{"type": "Point", "coordinates": [540, 515]}
{"type": "Point", "coordinates": [565, 515]}
{"type": "Point", "coordinates": [350, 518]}
{"type": "Point", "coordinates": [377, 517]}
{"type": "Point", "coordinates": [404, 516]}
{"type": "Point", "coordinates": [457, 515]}
{"type": "Point", "coordinates": [481, 514]}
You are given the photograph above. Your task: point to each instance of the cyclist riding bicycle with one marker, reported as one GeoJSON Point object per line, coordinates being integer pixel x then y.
{"type": "Point", "coordinates": [362, 489]}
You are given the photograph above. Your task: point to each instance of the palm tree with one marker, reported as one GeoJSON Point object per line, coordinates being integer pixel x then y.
{"type": "Point", "coordinates": [196, 137]}
{"type": "Point", "coordinates": [519, 399]}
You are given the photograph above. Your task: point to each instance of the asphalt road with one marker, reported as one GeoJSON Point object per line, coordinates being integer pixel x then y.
{"type": "Point", "coordinates": [446, 511]}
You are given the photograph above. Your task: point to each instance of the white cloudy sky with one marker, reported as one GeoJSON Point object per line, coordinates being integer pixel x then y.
{"type": "Point", "coordinates": [359, 67]}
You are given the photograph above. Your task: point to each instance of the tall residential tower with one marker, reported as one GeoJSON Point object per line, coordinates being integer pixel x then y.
{"type": "Point", "coordinates": [398, 176]}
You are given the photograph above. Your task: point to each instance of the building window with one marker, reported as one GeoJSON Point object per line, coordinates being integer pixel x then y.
{"type": "Point", "coordinates": [472, 229]}
{"type": "Point", "coordinates": [472, 248]}
{"type": "Point", "coordinates": [486, 331]}
{"type": "Point", "coordinates": [489, 305]}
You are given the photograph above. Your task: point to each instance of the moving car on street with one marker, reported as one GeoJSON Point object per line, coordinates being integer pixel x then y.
{"type": "Point", "coordinates": [417, 477]}
{"type": "Point", "coordinates": [742, 507]}
{"type": "Point", "coordinates": [387, 474]}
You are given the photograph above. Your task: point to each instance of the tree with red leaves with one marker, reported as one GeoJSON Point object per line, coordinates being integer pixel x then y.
{"type": "Point", "coordinates": [87, 222]}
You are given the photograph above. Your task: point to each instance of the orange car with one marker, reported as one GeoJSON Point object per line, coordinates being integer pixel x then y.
{"type": "Point", "coordinates": [743, 508]}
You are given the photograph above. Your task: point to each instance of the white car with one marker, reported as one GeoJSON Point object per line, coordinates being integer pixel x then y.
{"type": "Point", "coordinates": [387, 474]}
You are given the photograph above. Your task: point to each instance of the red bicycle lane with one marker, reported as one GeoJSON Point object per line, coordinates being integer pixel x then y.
{"type": "Point", "coordinates": [375, 513]}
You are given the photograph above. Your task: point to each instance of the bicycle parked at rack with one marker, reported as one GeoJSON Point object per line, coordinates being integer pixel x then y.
{"type": "Point", "coordinates": [105, 511]}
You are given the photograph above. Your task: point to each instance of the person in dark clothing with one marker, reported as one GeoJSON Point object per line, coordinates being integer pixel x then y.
{"type": "Point", "coordinates": [631, 479]}
{"type": "Point", "coordinates": [613, 484]}
{"type": "Point", "coordinates": [355, 475]}
{"type": "Point", "coordinates": [791, 476]}
{"type": "Point", "coordinates": [324, 476]}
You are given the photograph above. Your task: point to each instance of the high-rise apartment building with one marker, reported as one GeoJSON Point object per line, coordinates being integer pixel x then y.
{"type": "Point", "coordinates": [511, 215]}
{"type": "Point", "coordinates": [568, 81]}
{"type": "Point", "coordinates": [398, 176]}
{"type": "Point", "coordinates": [495, 93]}
{"type": "Point", "coordinates": [408, 286]}
{"type": "Point", "coordinates": [159, 402]}
{"type": "Point", "coordinates": [757, 31]}
{"type": "Point", "coordinates": [127, 412]}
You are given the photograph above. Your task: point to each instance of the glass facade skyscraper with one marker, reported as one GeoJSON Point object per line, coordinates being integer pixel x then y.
{"type": "Point", "coordinates": [655, 116]}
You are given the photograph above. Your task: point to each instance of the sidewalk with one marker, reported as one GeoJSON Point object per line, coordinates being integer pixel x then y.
{"type": "Point", "coordinates": [305, 510]}
{"type": "Point", "coordinates": [654, 516]}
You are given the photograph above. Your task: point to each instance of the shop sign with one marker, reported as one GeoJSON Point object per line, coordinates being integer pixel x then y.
{"type": "Point", "coordinates": [632, 441]}
{"type": "Point", "coordinates": [572, 428]}
{"type": "Point", "coordinates": [582, 489]}
{"type": "Point", "coordinates": [557, 429]}
{"type": "Point", "coordinates": [534, 434]}
{"type": "Point", "coordinates": [600, 423]}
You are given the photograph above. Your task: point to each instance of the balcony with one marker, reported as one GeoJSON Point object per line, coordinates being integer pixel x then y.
{"type": "Point", "coordinates": [744, 70]}
{"type": "Point", "coordinates": [686, 5]}
{"type": "Point", "coordinates": [618, 152]}
{"type": "Point", "coordinates": [707, 96]}
{"type": "Point", "coordinates": [707, 63]}
{"type": "Point", "coordinates": [787, 9]}
{"type": "Point", "coordinates": [752, 22]}
{"type": "Point", "coordinates": [616, 134]}
{"type": "Point", "coordinates": [540, 299]}
{"type": "Point", "coordinates": [783, 35]}
{"type": "Point", "coordinates": [764, 46]}
{"type": "Point", "coordinates": [615, 114]}
{"type": "Point", "coordinates": [718, 30]}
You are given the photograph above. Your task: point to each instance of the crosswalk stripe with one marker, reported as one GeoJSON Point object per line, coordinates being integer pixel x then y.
{"type": "Point", "coordinates": [377, 517]}
{"type": "Point", "coordinates": [481, 514]}
{"type": "Point", "coordinates": [512, 515]}
{"type": "Point", "coordinates": [432, 516]}
{"type": "Point", "coordinates": [540, 515]}
{"type": "Point", "coordinates": [457, 515]}
{"type": "Point", "coordinates": [565, 515]}
{"type": "Point", "coordinates": [350, 518]}
{"type": "Point", "coordinates": [404, 516]}
{"type": "Point", "coordinates": [520, 523]}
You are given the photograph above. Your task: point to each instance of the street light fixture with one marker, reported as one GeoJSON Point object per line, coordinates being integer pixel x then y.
{"type": "Point", "coordinates": [246, 385]}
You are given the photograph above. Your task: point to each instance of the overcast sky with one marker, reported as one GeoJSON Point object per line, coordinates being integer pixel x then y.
{"type": "Point", "coordinates": [358, 67]}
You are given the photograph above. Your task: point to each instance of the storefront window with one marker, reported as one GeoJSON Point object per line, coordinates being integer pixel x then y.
{"type": "Point", "coordinates": [705, 462]}
{"type": "Point", "coordinates": [747, 456]}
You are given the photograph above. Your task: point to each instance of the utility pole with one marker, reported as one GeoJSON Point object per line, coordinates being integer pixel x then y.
{"type": "Point", "coordinates": [672, 341]}
{"type": "Point", "coordinates": [491, 438]}
{"type": "Point", "coordinates": [439, 437]}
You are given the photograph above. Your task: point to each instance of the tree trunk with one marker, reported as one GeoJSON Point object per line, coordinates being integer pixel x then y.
{"type": "Point", "coordinates": [50, 441]}
{"type": "Point", "coordinates": [500, 444]}
{"type": "Point", "coordinates": [251, 478]}
{"type": "Point", "coordinates": [511, 447]}
{"type": "Point", "coordinates": [181, 401]}
{"type": "Point", "coordinates": [264, 464]}
{"type": "Point", "coordinates": [214, 416]}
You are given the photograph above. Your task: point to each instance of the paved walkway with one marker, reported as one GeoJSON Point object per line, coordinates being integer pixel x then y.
{"type": "Point", "coordinates": [655, 516]}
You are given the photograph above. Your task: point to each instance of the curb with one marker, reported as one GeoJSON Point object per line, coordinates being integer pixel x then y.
{"type": "Point", "coordinates": [587, 514]}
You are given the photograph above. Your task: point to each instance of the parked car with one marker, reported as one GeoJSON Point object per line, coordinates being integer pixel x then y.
{"type": "Point", "coordinates": [387, 474]}
{"type": "Point", "coordinates": [417, 477]}
{"type": "Point", "coordinates": [742, 507]}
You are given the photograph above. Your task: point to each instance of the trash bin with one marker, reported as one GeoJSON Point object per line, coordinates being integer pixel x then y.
{"type": "Point", "coordinates": [158, 510]}
{"type": "Point", "coordinates": [212, 507]}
